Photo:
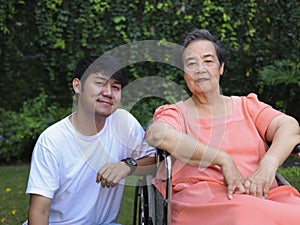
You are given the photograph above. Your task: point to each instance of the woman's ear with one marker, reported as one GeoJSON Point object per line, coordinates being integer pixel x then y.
{"type": "Point", "coordinates": [76, 85]}
{"type": "Point", "coordinates": [222, 69]}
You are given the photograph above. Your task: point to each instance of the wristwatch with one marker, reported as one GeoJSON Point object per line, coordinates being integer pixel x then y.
{"type": "Point", "coordinates": [131, 163]}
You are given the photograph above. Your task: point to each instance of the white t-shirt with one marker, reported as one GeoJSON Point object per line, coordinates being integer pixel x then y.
{"type": "Point", "coordinates": [65, 163]}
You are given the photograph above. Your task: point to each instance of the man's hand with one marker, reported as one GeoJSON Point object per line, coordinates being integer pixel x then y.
{"type": "Point", "coordinates": [111, 174]}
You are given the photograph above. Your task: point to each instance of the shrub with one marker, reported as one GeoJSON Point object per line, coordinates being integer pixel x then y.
{"type": "Point", "coordinates": [20, 130]}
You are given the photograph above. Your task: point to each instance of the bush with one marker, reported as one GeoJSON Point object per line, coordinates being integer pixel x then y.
{"type": "Point", "coordinates": [281, 75]}
{"type": "Point", "coordinates": [20, 130]}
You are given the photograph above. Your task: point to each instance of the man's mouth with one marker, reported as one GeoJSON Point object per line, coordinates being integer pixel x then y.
{"type": "Point", "coordinates": [104, 102]}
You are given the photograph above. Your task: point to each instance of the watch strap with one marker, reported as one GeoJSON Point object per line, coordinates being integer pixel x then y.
{"type": "Point", "coordinates": [131, 163]}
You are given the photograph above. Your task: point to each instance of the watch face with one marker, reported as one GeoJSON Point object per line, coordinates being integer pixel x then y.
{"type": "Point", "coordinates": [131, 162]}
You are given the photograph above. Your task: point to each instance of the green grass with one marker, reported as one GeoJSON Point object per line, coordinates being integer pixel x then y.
{"type": "Point", "coordinates": [14, 202]}
{"type": "Point", "coordinates": [292, 174]}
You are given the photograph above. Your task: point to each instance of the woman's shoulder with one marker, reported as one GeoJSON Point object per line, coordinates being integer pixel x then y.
{"type": "Point", "coordinates": [247, 100]}
{"type": "Point", "coordinates": [174, 107]}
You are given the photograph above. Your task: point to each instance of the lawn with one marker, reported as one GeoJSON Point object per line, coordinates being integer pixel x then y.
{"type": "Point", "coordinates": [14, 202]}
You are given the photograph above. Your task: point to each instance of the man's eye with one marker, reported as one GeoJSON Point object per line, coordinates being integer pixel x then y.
{"type": "Point", "coordinates": [100, 83]}
{"type": "Point", "coordinates": [116, 87]}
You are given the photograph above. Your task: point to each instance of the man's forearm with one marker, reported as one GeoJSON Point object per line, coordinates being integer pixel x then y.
{"type": "Point", "coordinates": [145, 165]}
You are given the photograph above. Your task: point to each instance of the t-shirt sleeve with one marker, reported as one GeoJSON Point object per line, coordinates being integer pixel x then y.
{"type": "Point", "coordinates": [43, 177]}
{"type": "Point", "coordinates": [136, 141]}
{"type": "Point", "coordinates": [171, 115]}
{"type": "Point", "coordinates": [261, 113]}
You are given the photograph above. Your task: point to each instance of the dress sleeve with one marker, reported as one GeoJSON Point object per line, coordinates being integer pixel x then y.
{"type": "Point", "coordinates": [261, 113]}
{"type": "Point", "coordinates": [171, 115]}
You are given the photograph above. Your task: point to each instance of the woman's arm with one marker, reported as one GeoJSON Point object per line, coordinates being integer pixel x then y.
{"type": "Point", "coordinates": [284, 134]}
{"type": "Point", "coordinates": [189, 150]}
{"type": "Point", "coordinates": [182, 146]}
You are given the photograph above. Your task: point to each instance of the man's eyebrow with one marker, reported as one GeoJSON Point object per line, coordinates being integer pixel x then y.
{"type": "Point", "coordinates": [105, 79]}
{"type": "Point", "coordinates": [117, 82]}
{"type": "Point", "coordinates": [101, 77]}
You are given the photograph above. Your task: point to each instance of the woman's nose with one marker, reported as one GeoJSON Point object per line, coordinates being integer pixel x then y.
{"type": "Point", "coordinates": [200, 67]}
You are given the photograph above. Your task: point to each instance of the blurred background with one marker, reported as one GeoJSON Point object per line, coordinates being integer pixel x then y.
{"type": "Point", "coordinates": [41, 42]}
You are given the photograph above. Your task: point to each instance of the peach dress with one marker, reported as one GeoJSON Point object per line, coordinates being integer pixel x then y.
{"type": "Point", "coordinates": [199, 195]}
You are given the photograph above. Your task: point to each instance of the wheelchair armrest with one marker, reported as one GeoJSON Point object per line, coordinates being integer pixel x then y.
{"type": "Point", "coordinates": [296, 150]}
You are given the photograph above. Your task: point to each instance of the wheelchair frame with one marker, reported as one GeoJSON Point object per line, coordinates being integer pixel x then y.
{"type": "Point", "coordinates": [157, 212]}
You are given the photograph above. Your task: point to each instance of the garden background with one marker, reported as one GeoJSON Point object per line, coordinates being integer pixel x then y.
{"type": "Point", "coordinates": [42, 40]}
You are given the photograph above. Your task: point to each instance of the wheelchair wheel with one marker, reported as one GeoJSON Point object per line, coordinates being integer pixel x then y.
{"type": "Point", "coordinates": [142, 204]}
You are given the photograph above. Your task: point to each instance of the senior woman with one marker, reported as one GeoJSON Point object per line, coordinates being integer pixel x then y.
{"type": "Point", "coordinates": [227, 149]}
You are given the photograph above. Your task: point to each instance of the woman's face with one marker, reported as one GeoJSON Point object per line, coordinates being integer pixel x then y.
{"type": "Point", "coordinates": [202, 69]}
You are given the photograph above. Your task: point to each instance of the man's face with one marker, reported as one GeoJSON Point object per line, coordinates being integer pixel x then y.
{"type": "Point", "coordinates": [100, 95]}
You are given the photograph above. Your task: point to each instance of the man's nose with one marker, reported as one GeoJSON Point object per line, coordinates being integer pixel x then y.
{"type": "Point", "coordinates": [106, 90]}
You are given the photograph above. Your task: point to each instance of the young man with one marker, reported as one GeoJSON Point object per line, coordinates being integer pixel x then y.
{"type": "Point", "coordinates": [78, 164]}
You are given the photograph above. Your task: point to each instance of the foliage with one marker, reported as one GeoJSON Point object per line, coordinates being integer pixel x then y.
{"type": "Point", "coordinates": [20, 130]}
{"type": "Point", "coordinates": [42, 41]}
{"type": "Point", "coordinates": [282, 75]}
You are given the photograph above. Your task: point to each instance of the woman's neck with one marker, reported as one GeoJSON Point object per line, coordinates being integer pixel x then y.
{"type": "Point", "coordinates": [209, 106]}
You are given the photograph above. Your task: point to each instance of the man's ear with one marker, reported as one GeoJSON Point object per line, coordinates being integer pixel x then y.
{"type": "Point", "coordinates": [76, 85]}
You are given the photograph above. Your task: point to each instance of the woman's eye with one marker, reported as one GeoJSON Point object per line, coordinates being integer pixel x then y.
{"type": "Point", "coordinates": [191, 65]}
{"type": "Point", "coordinates": [209, 61]}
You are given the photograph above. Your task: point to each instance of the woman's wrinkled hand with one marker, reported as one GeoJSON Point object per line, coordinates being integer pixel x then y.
{"type": "Point", "coordinates": [112, 173]}
{"type": "Point", "coordinates": [259, 183]}
{"type": "Point", "coordinates": [233, 178]}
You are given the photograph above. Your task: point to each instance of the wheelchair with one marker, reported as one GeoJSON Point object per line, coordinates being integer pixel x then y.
{"type": "Point", "coordinates": [151, 208]}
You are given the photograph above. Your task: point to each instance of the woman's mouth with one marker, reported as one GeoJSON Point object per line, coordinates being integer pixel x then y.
{"type": "Point", "coordinates": [201, 80]}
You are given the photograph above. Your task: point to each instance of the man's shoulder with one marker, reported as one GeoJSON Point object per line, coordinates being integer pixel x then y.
{"type": "Point", "coordinates": [121, 114]}
{"type": "Point", "coordinates": [123, 119]}
{"type": "Point", "coordinates": [56, 128]}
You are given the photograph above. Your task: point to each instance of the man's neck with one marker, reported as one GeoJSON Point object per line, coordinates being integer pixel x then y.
{"type": "Point", "coordinates": [87, 125]}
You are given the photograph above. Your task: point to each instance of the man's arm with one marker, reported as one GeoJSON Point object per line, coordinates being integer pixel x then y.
{"type": "Point", "coordinates": [39, 208]}
{"type": "Point", "coordinates": [112, 173]}
{"type": "Point", "coordinates": [145, 165]}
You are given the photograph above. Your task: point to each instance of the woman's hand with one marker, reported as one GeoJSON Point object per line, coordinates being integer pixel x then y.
{"type": "Point", "coordinates": [232, 176]}
{"type": "Point", "coordinates": [259, 183]}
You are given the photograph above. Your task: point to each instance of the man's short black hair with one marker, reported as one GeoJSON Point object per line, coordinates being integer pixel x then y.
{"type": "Point", "coordinates": [105, 64]}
